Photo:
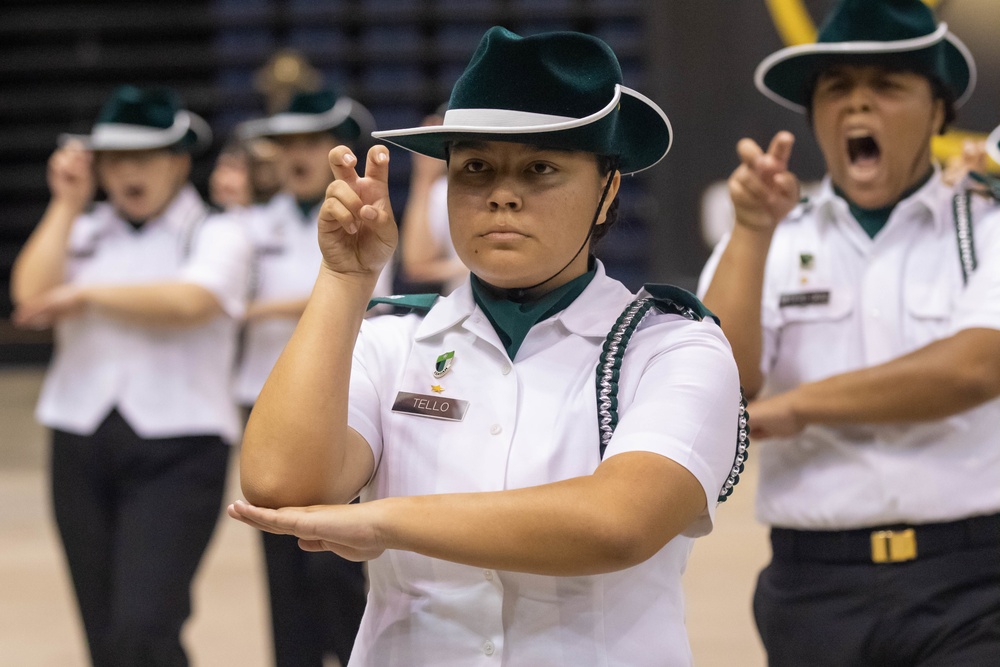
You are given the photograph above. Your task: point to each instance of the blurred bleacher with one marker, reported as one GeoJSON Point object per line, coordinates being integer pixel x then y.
{"type": "Point", "coordinates": [60, 59]}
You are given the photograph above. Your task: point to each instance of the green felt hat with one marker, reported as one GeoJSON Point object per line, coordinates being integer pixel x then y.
{"type": "Point", "coordinates": [993, 145]}
{"type": "Point", "coordinates": [316, 111]}
{"type": "Point", "coordinates": [895, 33]}
{"type": "Point", "coordinates": [145, 118]}
{"type": "Point", "coordinates": [559, 89]}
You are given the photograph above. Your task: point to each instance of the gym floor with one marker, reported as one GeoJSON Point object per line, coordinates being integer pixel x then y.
{"type": "Point", "coordinates": [39, 626]}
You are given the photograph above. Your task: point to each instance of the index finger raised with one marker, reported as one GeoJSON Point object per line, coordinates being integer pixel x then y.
{"type": "Point", "coordinates": [781, 147]}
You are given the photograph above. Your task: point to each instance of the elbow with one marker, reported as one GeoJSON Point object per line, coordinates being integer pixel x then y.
{"type": "Point", "coordinates": [262, 492]}
{"type": "Point", "coordinates": [980, 385]}
{"type": "Point", "coordinates": [624, 544]}
{"type": "Point", "coordinates": [265, 488]}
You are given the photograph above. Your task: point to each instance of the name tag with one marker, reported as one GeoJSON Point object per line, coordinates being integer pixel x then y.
{"type": "Point", "coordinates": [435, 407]}
{"type": "Point", "coordinates": [804, 299]}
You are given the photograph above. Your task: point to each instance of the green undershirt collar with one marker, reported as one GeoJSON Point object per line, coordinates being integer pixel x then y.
{"type": "Point", "coordinates": [306, 207]}
{"type": "Point", "coordinates": [872, 220]}
{"type": "Point", "coordinates": [512, 320]}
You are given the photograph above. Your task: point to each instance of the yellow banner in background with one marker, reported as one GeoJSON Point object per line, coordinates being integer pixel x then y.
{"type": "Point", "coordinates": [795, 26]}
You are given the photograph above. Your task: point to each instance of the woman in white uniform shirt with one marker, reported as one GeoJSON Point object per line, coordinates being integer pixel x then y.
{"type": "Point", "coordinates": [495, 532]}
{"type": "Point", "coordinates": [316, 599]}
{"type": "Point", "coordinates": [144, 291]}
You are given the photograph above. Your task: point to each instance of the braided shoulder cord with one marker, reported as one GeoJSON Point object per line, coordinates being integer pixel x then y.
{"type": "Point", "coordinates": [609, 367]}
{"type": "Point", "coordinates": [609, 371]}
{"type": "Point", "coordinates": [742, 450]}
{"type": "Point", "coordinates": [961, 208]}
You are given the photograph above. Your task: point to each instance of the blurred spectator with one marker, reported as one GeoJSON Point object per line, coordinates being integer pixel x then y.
{"type": "Point", "coordinates": [145, 292]}
{"type": "Point", "coordinates": [285, 73]}
{"type": "Point", "coordinates": [972, 158]}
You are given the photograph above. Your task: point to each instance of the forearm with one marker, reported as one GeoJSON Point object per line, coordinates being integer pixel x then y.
{"type": "Point", "coordinates": [158, 304]}
{"type": "Point", "coordinates": [614, 519]}
{"type": "Point", "coordinates": [416, 244]}
{"type": "Point", "coordinates": [41, 264]}
{"type": "Point", "coordinates": [735, 295]}
{"type": "Point", "coordinates": [289, 308]}
{"type": "Point", "coordinates": [942, 379]}
{"type": "Point", "coordinates": [298, 449]}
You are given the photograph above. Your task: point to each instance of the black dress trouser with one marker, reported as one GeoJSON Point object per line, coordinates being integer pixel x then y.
{"type": "Point", "coordinates": [135, 516]}
{"type": "Point", "coordinates": [941, 609]}
{"type": "Point", "coordinates": [317, 601]}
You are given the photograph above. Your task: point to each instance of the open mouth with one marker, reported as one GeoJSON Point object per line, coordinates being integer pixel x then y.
{"type": "Point", "coordinates": [863, 150]}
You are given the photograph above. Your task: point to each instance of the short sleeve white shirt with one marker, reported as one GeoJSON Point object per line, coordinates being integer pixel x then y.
{"type": "Point", "coordinates": [530, 422]}
{"type": "Point", "coordinates": [165, 381]}
{"type": "Point", "coordinates": [286, 262]}
{"type": "Point", "coordinates": [836, 300]}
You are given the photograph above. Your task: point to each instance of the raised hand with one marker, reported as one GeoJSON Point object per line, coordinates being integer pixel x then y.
{"type": "Point", "coordinates": [71, 176]}
{"type": "Point", "coordinates": [357, 231]}
{"type": "Point", "coordinates": [762, 188]}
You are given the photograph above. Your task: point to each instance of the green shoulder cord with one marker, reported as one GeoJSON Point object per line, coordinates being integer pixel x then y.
{"type": "Point", "coordinates": [665, 299]}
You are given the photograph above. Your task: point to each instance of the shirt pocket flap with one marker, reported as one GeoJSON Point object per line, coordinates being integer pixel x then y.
{"type": "Point", "coordinates": [929, 301]}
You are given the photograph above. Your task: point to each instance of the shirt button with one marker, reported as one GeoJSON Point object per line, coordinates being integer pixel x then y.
{"type": "Point", "coordinates": [506, 369]}
{"type": "Point", "coordinates": [488, 574]}
{"type": "Point", "coordinates": [488, 647]}
{"type": "Point", "coordinates": [495, 429]}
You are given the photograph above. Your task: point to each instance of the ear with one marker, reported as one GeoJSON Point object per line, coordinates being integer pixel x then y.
{"type": "Point", "coordinates": [183, 162]}
{"type": "Point", "coordinates": [938, 116]}
{"type": "Point", "coordinates": [616, 182]}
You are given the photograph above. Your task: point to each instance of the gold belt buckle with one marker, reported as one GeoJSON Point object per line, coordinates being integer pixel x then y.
{"type": "Point", "coordinates": [894, 546]}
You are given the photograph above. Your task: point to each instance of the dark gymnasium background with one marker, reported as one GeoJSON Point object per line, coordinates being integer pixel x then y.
{"type": "Point", "coordinates": [59, 60]}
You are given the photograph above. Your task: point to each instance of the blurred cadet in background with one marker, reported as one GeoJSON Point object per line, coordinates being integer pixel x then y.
{"type": "Point", "coordinates": [245, 173]}
{"type": "Point", "coordinates": [317, 600]}
{"type": "Point", "coordinates": [866, 320]}
{"type": "Point", "coordinates": [145, 292]}
{"type": "Point", "coordinates": [229, 185]}
{"type": "Point", "coordinates": [427, 255]}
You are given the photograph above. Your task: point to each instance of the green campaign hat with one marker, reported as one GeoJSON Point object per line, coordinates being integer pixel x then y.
{"type": "Point", "coordinates": [558, 89]}
{"type": "Point", "coordinates": [993, 145]}
{"type": "Point", "coordinates": [314, 111]}
{"type": "Point", "coordinates": [145, 118]}
{"type": "Point", "coordinates": [897, 33]}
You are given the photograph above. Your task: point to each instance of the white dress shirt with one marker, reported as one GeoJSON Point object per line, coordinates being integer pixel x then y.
{"type": "Point", "coordinates": [531, 422]}
{"type": "Point", "coordinates": [287, 261]}
{"type": "Point", "coordinates": [165, 381]}
{"type": "Point", "coordinates": [874, 300]}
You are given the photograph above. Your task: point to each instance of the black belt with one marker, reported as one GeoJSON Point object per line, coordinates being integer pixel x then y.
{"type": "Point", "coordinates": [885, 544]}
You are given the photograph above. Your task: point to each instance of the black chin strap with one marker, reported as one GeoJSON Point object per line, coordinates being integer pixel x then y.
{"type": "Point", "coordinates": [517, 294]}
